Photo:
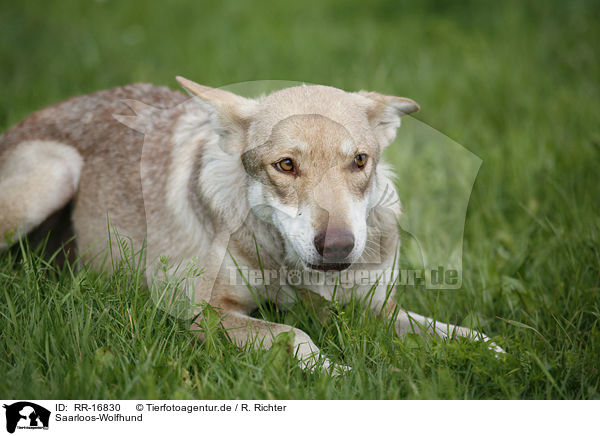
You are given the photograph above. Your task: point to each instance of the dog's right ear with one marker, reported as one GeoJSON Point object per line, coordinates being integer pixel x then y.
{"type": "Point", "coordinates": [230, 112]}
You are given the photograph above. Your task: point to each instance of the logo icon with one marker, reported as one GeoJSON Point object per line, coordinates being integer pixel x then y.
{"type": "Point", "coordinates": [26, 415]}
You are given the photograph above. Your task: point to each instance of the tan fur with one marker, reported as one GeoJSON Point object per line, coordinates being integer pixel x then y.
{"type": "Point", "coordinates": [195, 181]}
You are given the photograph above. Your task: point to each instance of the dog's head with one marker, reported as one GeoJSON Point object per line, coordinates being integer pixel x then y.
{"type": "Point", "coordinates": [312, 155]}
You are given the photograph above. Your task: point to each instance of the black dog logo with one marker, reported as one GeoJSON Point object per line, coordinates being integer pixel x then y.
{"type": "Point", "coordinates": [30, 413]}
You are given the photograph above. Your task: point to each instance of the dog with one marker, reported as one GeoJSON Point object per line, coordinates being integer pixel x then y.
{"type": "Point", "coordinates": [233, 185]}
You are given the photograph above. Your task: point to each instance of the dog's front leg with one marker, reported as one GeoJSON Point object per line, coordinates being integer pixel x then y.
{"type": "Point", "coordinates": [410, 322]}
{"type": "Point", "coordinates": [243, 330]}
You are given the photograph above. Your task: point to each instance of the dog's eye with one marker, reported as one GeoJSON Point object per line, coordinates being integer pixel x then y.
{"type": "Point", "coordinates": [360, 160]}
{"type": "Point", "coordinates": [285, 166]}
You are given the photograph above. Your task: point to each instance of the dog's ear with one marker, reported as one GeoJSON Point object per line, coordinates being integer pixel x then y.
{"type": "Point", "coordinates": [384, 112]}
{"type": "Point", "coordinates": [231, 112]}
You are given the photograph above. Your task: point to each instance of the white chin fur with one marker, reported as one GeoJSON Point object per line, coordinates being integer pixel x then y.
{"type": "Point", "coordinates": [296, 226]}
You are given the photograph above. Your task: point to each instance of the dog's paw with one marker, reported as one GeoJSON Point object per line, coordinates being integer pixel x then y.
{"type": "Point", "coordinates": [495, 348]}
{"type": "Point", "coordinates": [491, 345]}
{"type": "Point", "coordinates": [475, 335]}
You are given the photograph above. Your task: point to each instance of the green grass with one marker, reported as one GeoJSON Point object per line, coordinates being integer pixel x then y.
{"type": "Point", "coordinates": [517, 83]}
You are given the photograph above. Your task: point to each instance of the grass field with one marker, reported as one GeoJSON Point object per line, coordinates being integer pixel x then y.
{"type": "Point", "coordinates": [517, 83]}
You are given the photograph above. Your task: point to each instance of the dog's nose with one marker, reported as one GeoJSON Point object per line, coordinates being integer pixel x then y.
{"type": "Point", "coordinates": [334, 245]}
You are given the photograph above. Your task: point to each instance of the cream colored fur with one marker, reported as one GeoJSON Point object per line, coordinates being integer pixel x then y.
{"type": "Point", "coordinates": [36, 179]}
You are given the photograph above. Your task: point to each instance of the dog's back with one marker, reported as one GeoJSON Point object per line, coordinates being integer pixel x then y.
{"type": "Point", "coordinates": [76, 158]}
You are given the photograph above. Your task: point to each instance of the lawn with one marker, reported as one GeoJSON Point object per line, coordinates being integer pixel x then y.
{"type": "Point", "coordinates": [516, 83]}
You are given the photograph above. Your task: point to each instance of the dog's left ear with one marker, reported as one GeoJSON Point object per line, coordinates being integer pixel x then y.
{"type": "Point", "coordinates": [229, 111]}
{"type": "Point", "coordinates": [384, 112]}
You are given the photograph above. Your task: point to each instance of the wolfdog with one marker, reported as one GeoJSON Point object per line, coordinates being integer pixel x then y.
{"type": "Point", "coordinates": [291, 180]}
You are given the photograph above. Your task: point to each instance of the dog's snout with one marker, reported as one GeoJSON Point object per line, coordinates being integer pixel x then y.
{"type": "Point", "coordinates": [334, 245]}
